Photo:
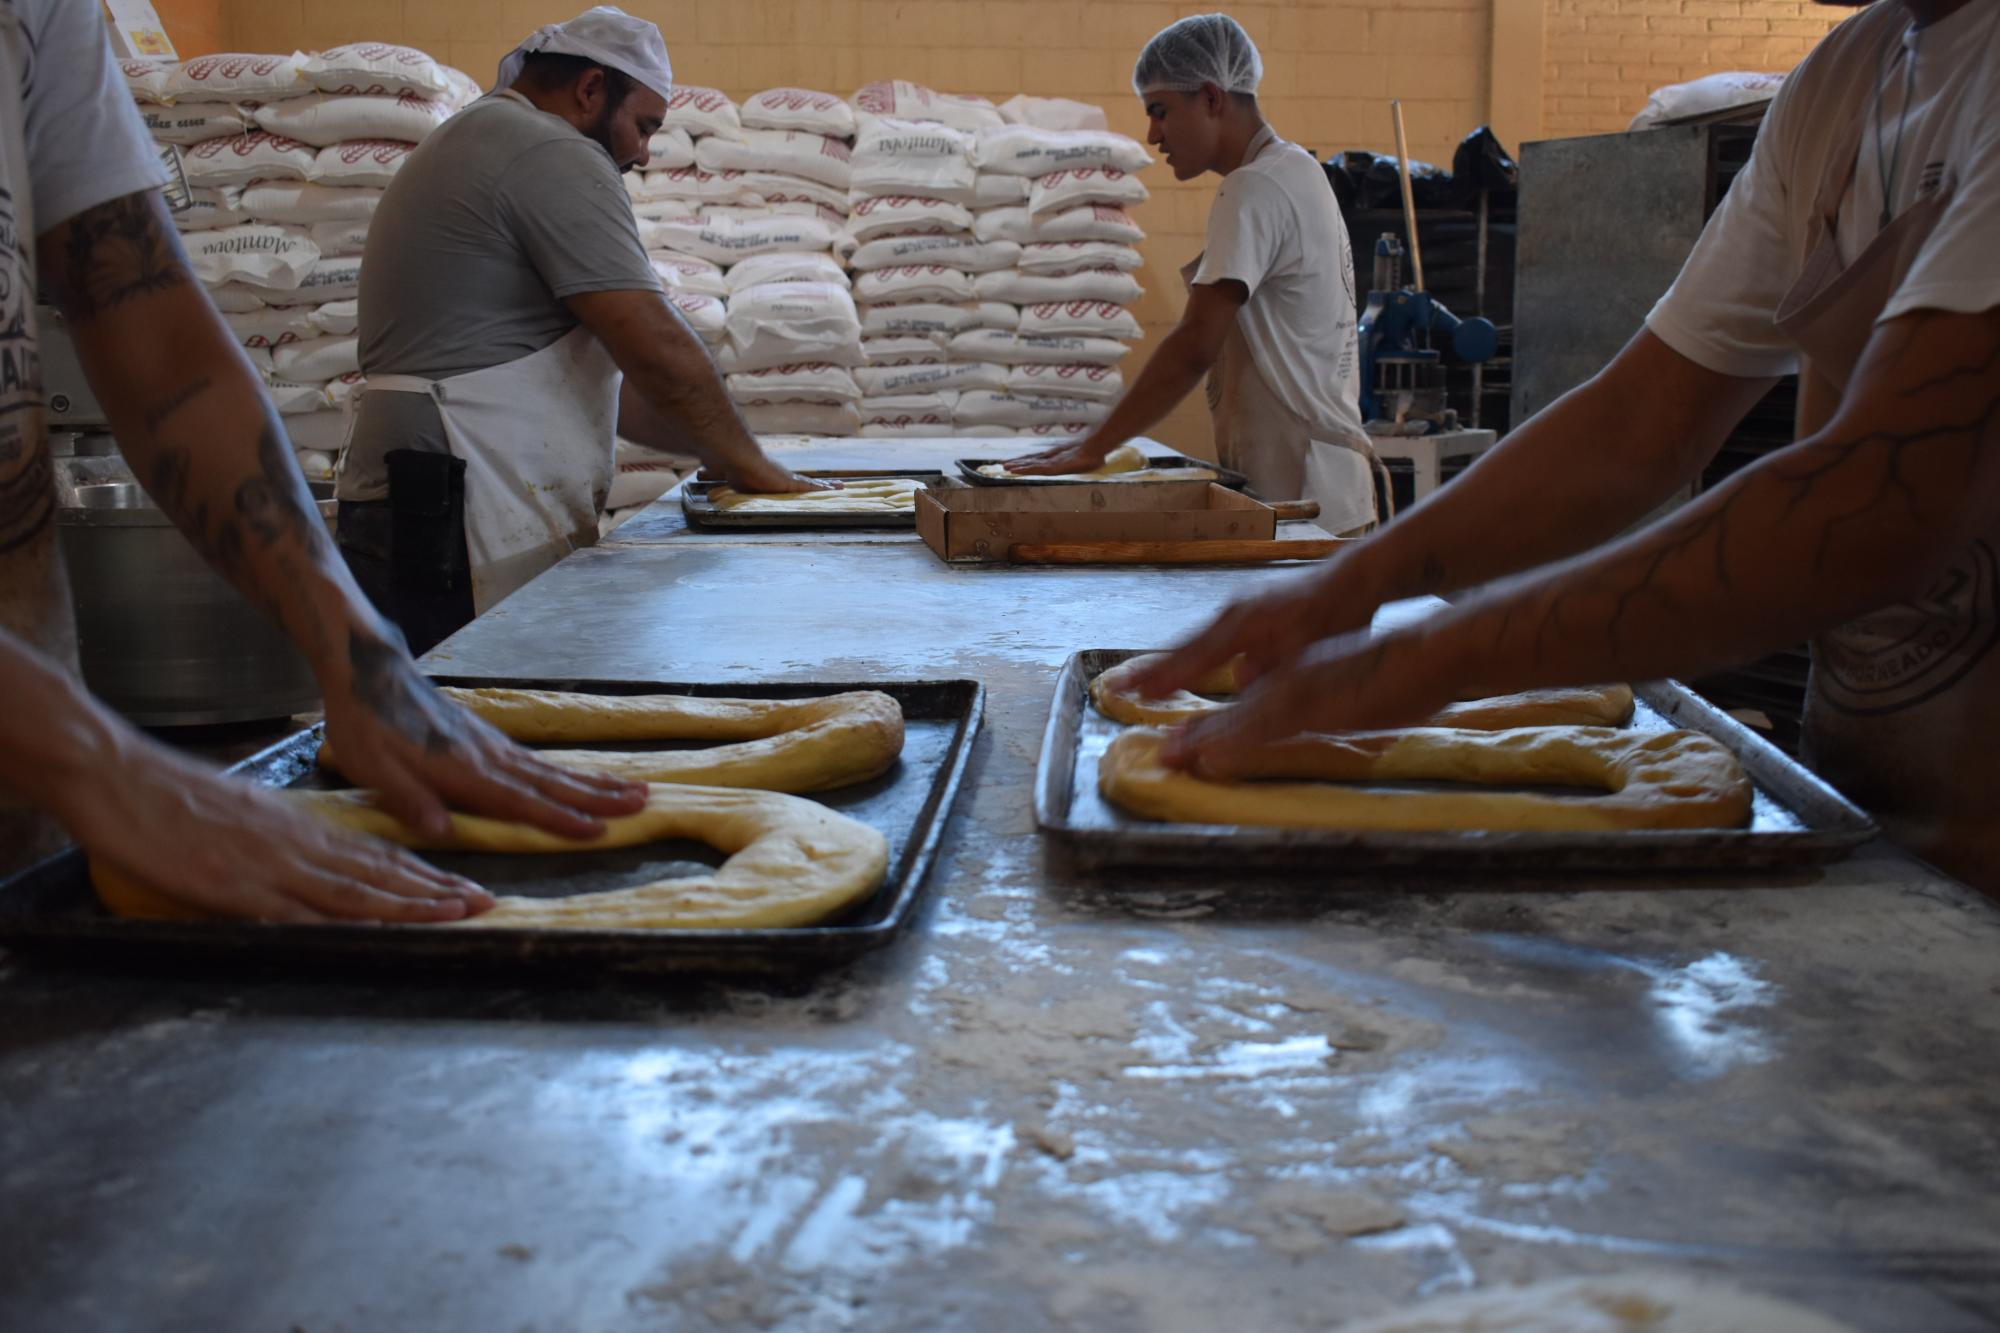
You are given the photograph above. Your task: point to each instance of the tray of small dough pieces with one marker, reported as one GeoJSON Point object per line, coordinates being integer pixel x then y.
{"type": "Point", "coordinates": [51, 908]}
{"type": "Point", "coordinates": [869, 498]}
{"type": "Point", "coordinates": [1127, 463]}
{"type": "Point", "coordinates": [1796, 819]}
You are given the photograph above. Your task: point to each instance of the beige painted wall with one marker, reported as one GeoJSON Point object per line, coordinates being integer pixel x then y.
{"type": "Point", "coordinates": [1535, 67]}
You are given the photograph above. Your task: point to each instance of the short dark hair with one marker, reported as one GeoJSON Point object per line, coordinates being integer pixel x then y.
{"type": "Point", "coordinates": [550, 70]}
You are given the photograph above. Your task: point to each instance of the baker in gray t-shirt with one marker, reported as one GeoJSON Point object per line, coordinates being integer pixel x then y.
{"type": "Point", "coordinates": [506, 233]}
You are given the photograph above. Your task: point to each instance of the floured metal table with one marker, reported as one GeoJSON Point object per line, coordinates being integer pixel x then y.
{"type": "Point", "coordinates": [1127, 1101]}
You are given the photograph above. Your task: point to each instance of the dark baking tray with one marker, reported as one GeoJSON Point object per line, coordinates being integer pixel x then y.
{"type": "Point", "coordinates": [51, 906]}
{"type": "Point", "coordinates": [702, 514]}
{"type": "Point", "coordinates": [1798, 820]}
{"type": "Point", "coordinates": [969, 470]}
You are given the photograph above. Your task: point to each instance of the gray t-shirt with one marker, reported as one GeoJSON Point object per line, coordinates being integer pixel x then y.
{"type": "Point", "coordinates": [502, 212]}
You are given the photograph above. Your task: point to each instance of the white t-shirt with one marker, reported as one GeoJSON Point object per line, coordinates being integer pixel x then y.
{"type": "Point", "coordinates": [1719, 312]}
{"type": "Point", "coordinates": [1276, 229]}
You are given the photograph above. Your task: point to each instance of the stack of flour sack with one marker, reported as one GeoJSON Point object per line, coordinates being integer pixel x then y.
{"type": "Point", "coordinates": [286, 158]}
{"type": "Point", "coordinates": [901, 263]}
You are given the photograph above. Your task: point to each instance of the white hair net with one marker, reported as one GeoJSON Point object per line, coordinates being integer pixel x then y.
{"type": "Point", "coordinates": [1207, 48]}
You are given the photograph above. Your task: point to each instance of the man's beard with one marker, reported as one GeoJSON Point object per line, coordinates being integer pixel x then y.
{"type": "Point", "coordinates": [600, 134]}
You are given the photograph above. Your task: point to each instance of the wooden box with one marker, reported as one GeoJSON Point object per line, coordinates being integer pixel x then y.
{"type": "Point", "coordinates": [979, 523]}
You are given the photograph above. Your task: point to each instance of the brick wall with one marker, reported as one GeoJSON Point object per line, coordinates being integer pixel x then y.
{"type": "Point", "coordinates": [1604, 56]}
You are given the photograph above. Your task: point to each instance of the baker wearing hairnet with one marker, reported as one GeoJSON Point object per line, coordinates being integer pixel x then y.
{"type": "Point", "coordinates": [511, 326]}
{"type": "Point", "coordinates": [1270, 314]}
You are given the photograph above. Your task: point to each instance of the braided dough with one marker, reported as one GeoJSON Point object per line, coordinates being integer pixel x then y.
{"type": "Point", "coordinates": [1651, 779]}
{"type": "Point", "coordinates": [797, 745]}
{"type": "Point", "coordinates": [1604, 706]}
{"type": "Point", "coordinates": [791, 862]}
{"type": "Point", "coordinates": [874, 495]}
{"type": "Point", "coordinates": [1125, 463]}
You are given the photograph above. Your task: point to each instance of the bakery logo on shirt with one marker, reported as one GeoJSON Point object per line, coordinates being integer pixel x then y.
{"type": "Point", "coordinates": [1907, 655]}
{"type": "Point", "coordinates": [1933, 176]}
{"type": "Point", "coordinates": [27, 488]}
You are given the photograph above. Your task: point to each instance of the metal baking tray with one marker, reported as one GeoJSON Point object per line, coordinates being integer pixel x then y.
{"type": "Point", "coordinates": [51, 907]}
{"type": "Point", "coordinates": [1798, 820]}
{"type": "Point", "coordinates": [702, 513]}
{"type": "Point", "coordinates": [969, 469]}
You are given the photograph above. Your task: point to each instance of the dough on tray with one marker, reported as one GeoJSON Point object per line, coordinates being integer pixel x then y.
{"type": "Point", "coordinates": [857, 495]}
{"type": "Point", "coordinates": [1125, 463]}
{"type": "Point", "coordinates": [1649, 779]}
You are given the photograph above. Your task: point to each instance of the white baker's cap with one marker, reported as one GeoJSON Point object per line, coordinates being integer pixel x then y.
{"type": "Point", "coordinates": [604, 34]}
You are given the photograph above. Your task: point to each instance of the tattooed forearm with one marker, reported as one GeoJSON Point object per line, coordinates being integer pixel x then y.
{"type": "Point", "coordinates": [27, 492]}
{"type": "Point", "coordinates": [112, 254]}
{"type": "Point", "coordinates": [158, 416]}
{"type": "Point", "coordinates": [386, 683]}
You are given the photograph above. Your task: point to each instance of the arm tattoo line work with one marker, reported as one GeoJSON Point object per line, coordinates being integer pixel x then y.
{"type": "Point", "coordinates": [114, 253]}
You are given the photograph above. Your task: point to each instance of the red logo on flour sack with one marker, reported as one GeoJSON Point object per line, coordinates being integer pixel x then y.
{"type": "Point", "coordinates": [877, 99]}
{"type": "Point", "coordinates": [201, 69]}
{"type": "Point", "coordinates": [836, 149]}
{"type": "Point", "coordinates": [693, 303]}
{"type": "Point", "coordinates": [701, 99]}
{"type": "Point", "coordinates": [245, 145]}
{"type": "Point", "coordinates": [1108, 213]}
{"type": "Point", "coordinates": [415, 101]}
{"type": "Point", "coordinates": [1093, 374]}
{"type": "Point", "coordinates": [795, 99]}
{"type": "Point", "coordinates": [380, 151]}
{"type": "Point", "coordinates": [402, 55]}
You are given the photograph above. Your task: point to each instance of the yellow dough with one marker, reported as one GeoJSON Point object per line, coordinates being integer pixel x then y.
{"type": "Point", "coordinates": [797, 745]}
{"type": "Point", "coordinates": [871, 495]}
{"type": "Point", "coordinates": [1125, 463]}
{"type": "Point", "coordinates": [791, 862]}
{"type": "Point", "coordinates": [1604, 705]}
{"type": "Point", "coordinates": [1650, 779]}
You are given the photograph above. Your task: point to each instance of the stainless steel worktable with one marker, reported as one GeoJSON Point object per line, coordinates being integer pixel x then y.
{"type": "Point", "coordinates": [1104, 1103]}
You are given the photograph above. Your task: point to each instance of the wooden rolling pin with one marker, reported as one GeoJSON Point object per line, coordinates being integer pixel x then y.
{"type": "Point", "coordinates": [1171, 553]}
{"type": "Point", "coordinates": [1306, 509]}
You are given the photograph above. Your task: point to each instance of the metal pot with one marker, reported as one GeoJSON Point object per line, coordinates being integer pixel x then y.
{"type": "Point", "coordinates": [164, 639]}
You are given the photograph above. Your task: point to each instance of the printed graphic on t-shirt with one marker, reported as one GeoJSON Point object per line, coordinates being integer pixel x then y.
{"type": "Point", "coordinates": [1907, 655]}
{"type": "Point", "coordinates": [27, 487]}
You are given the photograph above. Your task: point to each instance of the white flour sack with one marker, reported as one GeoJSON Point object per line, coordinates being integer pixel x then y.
{"type": "Point", "coordinates": [873, 216]}
{"type": "Point", "coordinates": [783, 323]}
{"type": "Point", "coordinates": [1098, 383]}
{"type": "Point", "coordinates": [373, 69]}
{"type": "Point", "coordinates": [236, 78]}
{"type": "Point", "coordinates": [273, 326]}
{"type": "Point", "coordinates": [1056, 258]}
{"type": "Point", "coordinates": [728, 240]}
{"type": "Point", "coordinates": [903, 349]}
{"type": "Point", "coordinates": [885, 381]}
{"type": "Point", "coordinates": [1060, 191]}
{"type": "Point", "coordinates": [757, 189]}
{"type": "Point", "coordinates": [798, 109]}
{"type": "Point", "coordinates": [146, 80]}
{"type": "Point", "coordinates": [664, 183]}
{"type": "Point", "coordinates": [912, 157]}
{"type": "Point", "coordinates": [361, 162]}
{"type": "Point", "coordinates": [704, 314]}
{"type": "Point", "coordinates": [995, 315]}
{"type": "Point", "coordinates": [806, 382]}
{"type": "Point", "coordinates": [919, 318]}
{"type": "Point", "coordinates": [193, 123]}
{"type": "Point", "coordinates": [1093, 222]}
{"type": "Point", "coordinates": [330, 280]}
{"type": "Point", "coordinates": [265, 256]}
{"type": "Point", "coordinates": [982, 407]}
{"type": "Point", "coordinates": [891, 419]}
{"type": "Point", "coordinates": [293, 399]}
{"type": "Point", "coordinates": [212, 206]}
{"type": "Point", "coordinates": [317, 360]}
{"type": "Point", "coordinates": [786, 152]}
{"type": "Point", "coordinates": [670, 150]}
{"type": "Point", "coordinates": [801, 418]}
{"type": "Point", "coordinates": [1086, 319]}
{"type": "Point", "coordinates": [785, 267]}
{"type": "Point", "coordinates": [1713, 92]}
{"type": "Point", "coordinates": [959, 252]}
{"type": "Point", "coordinates": [701, 111]}
{"type": "Point", "coordinates": [901, 100]}
{"type": "Point", "coordinates": [991, 191]}
{"type": "Point", "coordinates": [340, 238]}
{"type": "Point", "coordinates": [1091, 284]}
{"type": "Point", "coordinates": [321, 119]}
{"type": "Point", "coordinates": [339, 318]}
{"type": "Point", "coordinates": [242, 158]}
{"type": "Point", "coordinates": [234, 298]}
{"type": "Point", "coordinates": [1053, 113]}
{"type": "Point", "coordinates": [689, 273]}
{"type": "Point", "coordinates": [1014, 350]}
{"type": "Point", "coordinates": [1023, 150]}
{"type": "Point", "coordinates": [307, 202]}
{"type": "Point", "coordinates": [913, 282]}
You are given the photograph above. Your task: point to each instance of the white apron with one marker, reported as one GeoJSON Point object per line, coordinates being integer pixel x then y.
{"type": "Point", "coordinates": [1903, 714]}
{"type": "Point", "coordinates": [1257, 434]}
{"type": "Point", "coordinates": [538, 436]}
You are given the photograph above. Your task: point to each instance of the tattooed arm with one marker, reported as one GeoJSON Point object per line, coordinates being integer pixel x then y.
{"type": "Point", "coordinates": [1577, 473]}
{"type": "Point", "coordinates": [192, 418]}
{"type": "Point", "coordinates": [1861, 515]}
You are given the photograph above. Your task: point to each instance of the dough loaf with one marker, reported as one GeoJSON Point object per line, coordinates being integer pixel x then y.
{"type": "Point", "coordinates": [1650, 779]}
{"type": "Point", "coordinates": [791, 862]}
{"type": "Point", "coordinates": [872, 495]}
{"type": "Point", "coordinates": [1125, 463]}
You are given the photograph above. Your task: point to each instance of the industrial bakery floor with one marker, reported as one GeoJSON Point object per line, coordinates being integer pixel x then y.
{"type": "Point", "coordinates": [1149, 1102]}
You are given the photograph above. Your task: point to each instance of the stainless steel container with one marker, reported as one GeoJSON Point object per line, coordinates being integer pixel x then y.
{"type": "Point", "coordinates": [166, 640]}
